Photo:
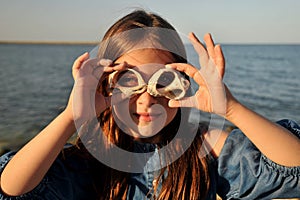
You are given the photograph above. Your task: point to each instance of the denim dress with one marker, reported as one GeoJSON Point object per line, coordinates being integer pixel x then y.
{"type": "Point", "coordinates": [240, 172]}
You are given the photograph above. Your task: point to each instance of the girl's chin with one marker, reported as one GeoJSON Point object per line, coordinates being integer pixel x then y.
{"type": "Point", "coordinates": [145, 130]}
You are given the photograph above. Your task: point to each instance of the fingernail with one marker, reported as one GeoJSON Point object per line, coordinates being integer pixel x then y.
{"type": "Point", "coordinates": [171, 103]}
{"type": "Point", "coordinates": [168, 66]}
{"type": "Point", "coordinates": [86, 53]}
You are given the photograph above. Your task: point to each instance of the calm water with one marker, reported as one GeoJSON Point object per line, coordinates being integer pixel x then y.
{"type": "Point", "coordinates": [36, 81]}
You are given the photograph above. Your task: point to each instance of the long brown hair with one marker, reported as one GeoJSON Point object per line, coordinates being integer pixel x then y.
{"type": "Point", "coordinates": [187, 177]}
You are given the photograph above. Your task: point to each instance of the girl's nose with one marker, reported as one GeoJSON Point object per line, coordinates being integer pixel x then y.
{"type": "Point", "coordinates": [146, 99]}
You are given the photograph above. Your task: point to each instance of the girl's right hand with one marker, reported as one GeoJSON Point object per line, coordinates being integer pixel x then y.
{"type": "Point", "coordinates": [85, 103]}
{"type": "Point", "coordinates": [76, 66]}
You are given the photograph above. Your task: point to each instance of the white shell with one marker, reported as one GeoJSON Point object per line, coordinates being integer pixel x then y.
{"type": "Point", "coordinates": [178, 84]}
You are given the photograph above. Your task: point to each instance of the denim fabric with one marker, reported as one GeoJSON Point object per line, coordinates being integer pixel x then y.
{"type": "Point", "coordinates": [240, 172]}
{"type": "Point", "coordinates": [245, 173]}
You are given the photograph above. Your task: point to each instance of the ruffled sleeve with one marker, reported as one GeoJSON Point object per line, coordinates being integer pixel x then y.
{"type": "Point", "coordinates": [59, 183]}
{"type": "Point", "coordinates": [245, 173]}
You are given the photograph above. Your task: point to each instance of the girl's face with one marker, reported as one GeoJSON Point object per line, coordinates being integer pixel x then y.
{"type": "Point", "coordinates": [142, 114]}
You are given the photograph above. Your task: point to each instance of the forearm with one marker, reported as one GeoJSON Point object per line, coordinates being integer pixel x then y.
{"type": "Point", "coordinates": [28, 167]}
{"type": "Point", "coordinates": [274, 141]}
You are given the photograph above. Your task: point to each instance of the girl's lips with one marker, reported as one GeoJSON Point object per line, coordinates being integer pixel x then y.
{"type": "Point", "coordinates": [147, 117]}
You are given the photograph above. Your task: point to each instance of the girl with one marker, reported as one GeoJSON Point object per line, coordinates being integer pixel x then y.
{"type": "Point", "coordinates": [136, 141]}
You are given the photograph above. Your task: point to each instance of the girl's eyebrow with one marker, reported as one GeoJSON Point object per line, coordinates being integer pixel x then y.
{"type": "Point", "coordinates": [117, 63]}
{"type": "Point", "coordinates": [127, 64]}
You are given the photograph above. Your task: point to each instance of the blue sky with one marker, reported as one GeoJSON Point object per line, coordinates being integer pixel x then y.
{"type": "Point", "coordinates": [230, 21]}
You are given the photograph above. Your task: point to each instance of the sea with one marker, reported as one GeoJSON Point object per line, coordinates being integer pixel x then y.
{"type": "Point", "coordinates": [36, 80]}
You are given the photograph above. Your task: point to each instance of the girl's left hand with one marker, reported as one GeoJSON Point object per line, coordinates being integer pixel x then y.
{"type": "Point", "coordinates": [211, 95]}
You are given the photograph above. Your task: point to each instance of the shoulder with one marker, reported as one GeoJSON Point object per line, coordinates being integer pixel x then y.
{"type": "Point", "coordinates": [77, 163]}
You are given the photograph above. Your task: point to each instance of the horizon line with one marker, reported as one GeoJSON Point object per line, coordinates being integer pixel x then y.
{"type": "Point", "coordinates": [97, 42]}
{"type": "Point", "coordinates": [48, 42]}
